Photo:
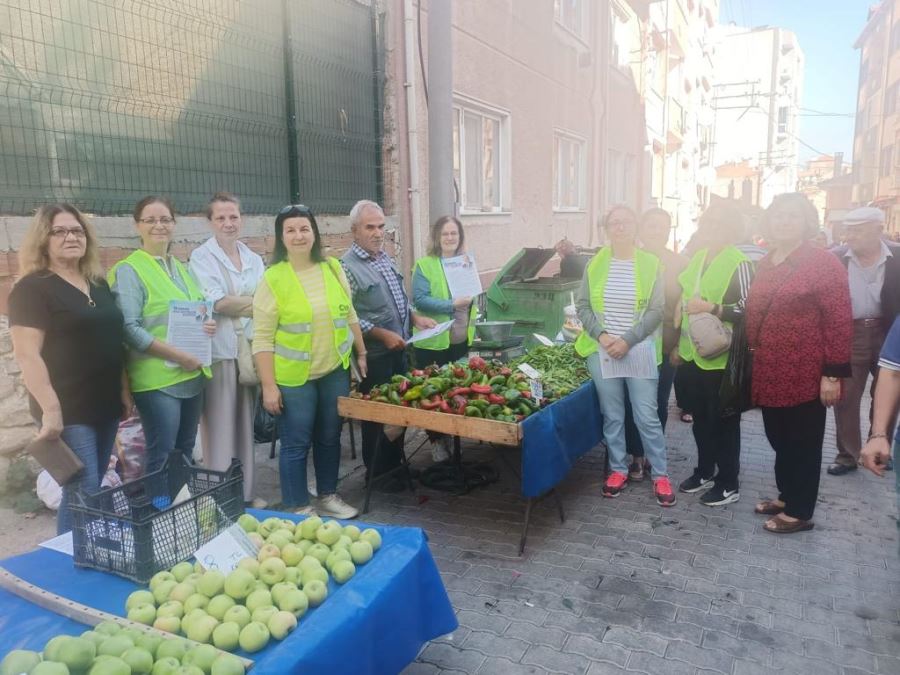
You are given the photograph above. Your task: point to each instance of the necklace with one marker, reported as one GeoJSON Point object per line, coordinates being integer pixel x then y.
{"type": "Point", "coordinates": [86, 291]}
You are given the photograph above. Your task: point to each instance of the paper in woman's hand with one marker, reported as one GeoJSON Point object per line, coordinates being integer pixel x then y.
{"type": "Point", "coordinates": [185, 330]}
{"type": "Point", "coordinates": [462, 276]}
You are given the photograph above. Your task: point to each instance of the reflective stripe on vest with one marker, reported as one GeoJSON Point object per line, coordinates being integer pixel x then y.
{"type": "Point", "coordinates": [293, 335]}
{"type": "Point", "coordinates": [646, 269]}
{"type": "Point", "coordinates": [714, 283]}
{"type": "Point", "coordinates": [145, 371]}
{"type": "Point", "coordinates": [433, 270]}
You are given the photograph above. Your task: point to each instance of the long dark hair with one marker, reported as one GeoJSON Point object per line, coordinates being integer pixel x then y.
{"type": "Point", "coordinates": [279, 253]}
{"type": "Point", "coordinates": [436, 249]}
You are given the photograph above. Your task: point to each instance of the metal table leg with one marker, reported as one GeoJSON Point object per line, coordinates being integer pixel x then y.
{"type": "Point", "coordinates": [528, 503]}
{"type": "Point", "coordinates": [375, 453]}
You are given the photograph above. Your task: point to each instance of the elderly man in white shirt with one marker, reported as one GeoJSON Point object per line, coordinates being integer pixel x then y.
{"type": "Point", "coordinates": [228, 272]}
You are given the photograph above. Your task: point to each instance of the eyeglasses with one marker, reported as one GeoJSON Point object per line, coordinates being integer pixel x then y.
{"type": "Point", "coordinates": [63, 232]}
{"type": "Point", "coordinates": [163, 220]}
{"type": "Point", "coordinates": [298, 208]}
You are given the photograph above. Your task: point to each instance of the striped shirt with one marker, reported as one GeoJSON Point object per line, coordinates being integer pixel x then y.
{"type": "Point", "coordinates": [619, 297]}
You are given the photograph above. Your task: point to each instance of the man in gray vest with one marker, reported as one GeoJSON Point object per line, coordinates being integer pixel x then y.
{"type": "Point", "coordinates": [385, 315]}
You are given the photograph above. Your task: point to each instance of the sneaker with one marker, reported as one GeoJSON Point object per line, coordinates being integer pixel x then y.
{"type": "Point", "coordinates": [256, 503]}
{"type": "Point", "coordinates": [719, 496]}
{"type": "Point", "coordinates": [307, 511]}
{"type": "Point", "coordinates": [664, 494]}
{"type": "Point", "coordinates": [635, 472]}
{"type": "Point", "coordinates": [695, 483]}
{"type": "Point", "coordinates": [332, 505]}
{"type": "Point", "coordinates": [614, 484]}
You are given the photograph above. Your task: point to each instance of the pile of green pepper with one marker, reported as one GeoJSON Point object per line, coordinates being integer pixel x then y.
{"type": "Point", "coordinates": [562, 370]}
{"type": "Point", "coordinates": [478, 389]}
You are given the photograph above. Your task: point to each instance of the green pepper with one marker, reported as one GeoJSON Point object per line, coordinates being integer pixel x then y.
{"type": "Point", "coordinates": [397, 379]}
{"type": "Point", "coordinates": [394, 396]}
{"type": "Point", "coordinates": [497, 379]}
{"type": "Point", "coordinates": [416, 380]}
{"type": "Point", "coordinates": [429, 390]}
{"type": "Point", "coordinates": [480, 403]}
{"type": "Point", "coordinates": [472, 411]}
{"type": "Point", "coordinates": [441, 384]}
{"type": "Point", "coordinates": [492, 411]}
{"type": "Point", "coordinates": [413, 394]}
{"type": "Point", "coordinates": [523, 408]}
{"type": "Point", "coordinates": [512, 394]}
{"type": "Point", "coordinates": [381, 399]}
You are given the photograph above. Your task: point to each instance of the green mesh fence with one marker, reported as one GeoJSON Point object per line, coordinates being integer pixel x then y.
{"type": "Point", "coordinates": [104, 101]}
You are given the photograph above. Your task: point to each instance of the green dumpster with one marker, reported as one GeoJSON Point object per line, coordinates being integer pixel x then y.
{"type": "Point", "coordinates": [534, 302]}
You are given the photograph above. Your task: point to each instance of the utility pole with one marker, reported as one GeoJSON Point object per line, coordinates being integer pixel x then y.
{"type": "Point", "coordinates": [441, 196]}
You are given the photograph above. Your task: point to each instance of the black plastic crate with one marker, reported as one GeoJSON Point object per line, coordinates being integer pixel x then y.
{"type": "Point", "coordinates": [134, 531]}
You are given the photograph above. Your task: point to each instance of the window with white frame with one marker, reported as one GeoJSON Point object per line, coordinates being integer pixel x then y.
{"type": "Point", "coordinates": [570, 14]}
{"type": "Point", "coordinates": [620, 168]}
{"type": "Point", "coordinates": [481, 158]}
{"type": "Point", "coordinates": [569, 169]}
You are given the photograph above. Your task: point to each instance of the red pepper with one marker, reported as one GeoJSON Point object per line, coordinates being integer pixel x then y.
{"type": "Point", "coordinates": [366, 397]}
{"type": "Point", "coordinates": [496, 399]}
{"type": "Point", "coordinates": [519, 418]}
{"type": "Point", "coordinates": [461, 408]}
{"type": "Point", "coordinates": [506, 372]}
{"type": "Point", "coordinates": [459, 373]}
{"type": "Point", "coordinates": [402, 386]}
{"type": "Point", "coordinates": [459, 391]}
{"type": "Point", "coordinates": [477, 363]}
{"type": "Point", "coordinates": [405, 404]}
{"type": "Point", "coordinates": [445, 407]}
{"type": "Point", "coordinates": [481, 388]}
{"type": "Point", "coordinates": [418, 373]}
{"type": "Point", "coordinates": [432, 404]}
{"type": "Point", "coordinates": [525, 394]}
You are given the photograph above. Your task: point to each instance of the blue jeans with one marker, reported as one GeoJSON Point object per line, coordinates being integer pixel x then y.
{"type": "Point", "coordinates": [93, 444]}
{"type": "Point", "coordinates": [309, 418]}
{"type": "Point", "coordinates": [663, 392]}
{"type": "Point", "coordinates": [642, 393]}
{"type": "Point", "coordinates": [170, 424]}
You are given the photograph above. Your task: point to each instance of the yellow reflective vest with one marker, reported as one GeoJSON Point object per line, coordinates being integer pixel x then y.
{"type": "Point", "coordinates": [431, 268]}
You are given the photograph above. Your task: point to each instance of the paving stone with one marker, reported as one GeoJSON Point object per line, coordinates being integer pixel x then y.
{"type": "Point", "coordinates": [538, 635]}
{"type": "Point", "coordinates": [681, 598]}
{"type": "Point", "coordinates": [887, 665]}
{"type": "Point", "coordinates": [487, 622]}
{"type": "Point", "coordinates": [604, 668]}
{"type": "Point", "coordinates": [644, 608]}
{"type": "Point", "coordinates": [711, 659]}
{"type": "Point", "coordinates": [846, 656]}
{"type": "Point", "coordinates": [737, 647]}
{"type": "Point", "coordinates": [672, 630]}
{"type": "Point", "coordinates": [498, 666]}
{"type": "Point", "coordinates": [716, 622]}
{"type": "Point", "coordinates": [818, 631]}
{"type": "Point", "coordinates": [795, 664]}
{"type": "Point", "coordinates": [493, 645]}
{"type": "Point", "coordinates": [596, 650]}
{"type": "Point", "coordinates": [651, 664]}
{"type": "Point", "coordinates": [789, 607]}
{"type": "Point", "coordinates": [635, 640]}
{"type": "Point", "coordinates": [751, 668]}
{"type": "Point", "coordinates": [740, 612]}
{"type": "Point", "coordinates": [556, 662]}
{"type": "Point", "coordinates": [451, 657]}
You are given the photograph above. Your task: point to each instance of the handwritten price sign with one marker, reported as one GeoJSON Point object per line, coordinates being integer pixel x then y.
{"type": "Point", "coordinates": [225, 551]}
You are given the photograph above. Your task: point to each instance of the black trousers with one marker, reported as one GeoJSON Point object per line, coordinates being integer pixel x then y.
{"type": "Point", "coordinates": [797, 434]}
{"type": "Point", "coordinates": [381, 368]}
{"type": "Point", "coordinates": [718, 438]}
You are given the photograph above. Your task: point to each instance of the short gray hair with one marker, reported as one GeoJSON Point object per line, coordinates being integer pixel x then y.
{"type": "Point", "coordinates": [360, 207]}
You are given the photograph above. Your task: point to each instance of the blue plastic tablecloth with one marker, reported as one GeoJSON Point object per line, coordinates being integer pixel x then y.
{"type": "Point", "coordinates": [557, 436]}
{"type": "Point", "coordinates": [374, 624]}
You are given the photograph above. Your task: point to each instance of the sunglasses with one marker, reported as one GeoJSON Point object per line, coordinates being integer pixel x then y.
{"type": "Point", "coordinates": [302, 209]}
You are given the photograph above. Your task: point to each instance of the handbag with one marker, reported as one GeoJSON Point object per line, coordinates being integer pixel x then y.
{"type": "Point", "coordinates": [709, 335]}
{"type": "Point", "coordinates": [57, 458]}
{"type": "Point", "coordinates": [247, 375]}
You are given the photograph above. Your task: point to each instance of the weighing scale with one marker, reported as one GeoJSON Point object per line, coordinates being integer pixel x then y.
{"type": "Point", "coordinates": [502, 350]}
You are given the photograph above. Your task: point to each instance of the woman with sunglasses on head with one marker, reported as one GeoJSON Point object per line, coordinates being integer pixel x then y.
{"type": "Point", "coordinates": [67, 335]}
{"type": "Point", "coordinates": [305, 329]}
{"type": "Point", "coordinates": [167, 383]}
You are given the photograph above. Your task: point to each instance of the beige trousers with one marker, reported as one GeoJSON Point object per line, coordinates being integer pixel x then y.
{"type": "Point", "coordinates": [226, 428]}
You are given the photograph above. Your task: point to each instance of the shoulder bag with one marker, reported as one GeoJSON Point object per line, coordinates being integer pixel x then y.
{"type": "Point", "coordinates": [710, 336]}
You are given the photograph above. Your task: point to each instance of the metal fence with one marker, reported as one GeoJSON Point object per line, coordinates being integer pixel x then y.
{"type": "Point", "coordinates": [104, 101]}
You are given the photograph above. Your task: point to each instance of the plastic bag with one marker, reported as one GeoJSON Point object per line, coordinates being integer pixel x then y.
{"type": "Point", "coordinates": [111, 478]}
{"type": "Point", "coordinates": [48, 490]}
{"type": "Point", "coordinates": [734, 392]}
{"type": "Point", "coordinates": [131, 448]}
{"type": "Point", "coordinates": [265, 428]}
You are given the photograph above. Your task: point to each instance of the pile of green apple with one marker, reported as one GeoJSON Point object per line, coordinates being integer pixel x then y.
{"type": "Point", "coordinates": [263, 598]}
{"type": "Point", "coordinates": [109, 649]}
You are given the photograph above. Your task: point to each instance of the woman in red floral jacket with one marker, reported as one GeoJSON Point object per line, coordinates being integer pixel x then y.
{"type": "Point", "coordinates": [799, 326]}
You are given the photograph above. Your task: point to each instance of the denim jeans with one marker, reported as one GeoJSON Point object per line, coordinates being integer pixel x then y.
{"type": "Point", "coordinates": [309, 418]}
{"type": "Point", "coordinates": [93, 444]}
{"type": "Point", "coordinates": [663, 392]}
{"type": "Point", "coordinates": [642, 393]}
{"type": "Point", "coordinates": [170, 424]}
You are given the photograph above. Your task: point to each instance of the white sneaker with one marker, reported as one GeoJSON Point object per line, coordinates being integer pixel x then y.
{"type": "Point", "coordinates": [332, 505]}
{"type": "Point", "coordinates": [440, 450]}
{"type": "Point", "coordinates": [258, 503]}
{"type": "Point", "coordinates": [308, 511]}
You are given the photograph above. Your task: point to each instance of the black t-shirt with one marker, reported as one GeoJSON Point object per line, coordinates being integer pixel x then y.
{"type": "Point", "coordinates": [83, 345]}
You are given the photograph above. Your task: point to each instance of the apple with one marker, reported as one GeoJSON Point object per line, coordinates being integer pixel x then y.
{"type": "Point", "coordinates": [259, 585]}
{"type": "Point", "coordinates": [19, 661]}
{"type": "Point", "coordinates": [225, 636]}
{"type": "Point", "coordinates": [237, 614]}
{"type": "Point", "coordinates": [249, 564]}
{"type": "Point", "coordinates": [343, 542]}
{"type": "Point", "coordinates": [50, 668]}
{"type": "Point", "coordinates": [150, 642]}
{"type": "Point", "coordinates": [77, 653]}
{"type": "Point", "coordinates": [227, 664]}
{"type": "Point", "coordinates": [304, 544]}
{"type": "Point", "coordinates": [318, 573]}
{"type": "Point", "coordinates": [334, 556]}
{"type": "Point", "coordinates": [256, 540]}
{"type": "Point", "coordinates": [94, 636]}
{"type": "Point", "coordinates": [268, 551]}
{"type": "Point", "coordinates": [310, 563]}
{"type": "Point", "coordinates": [254, 636]}
{"type": "Point", "coordinates": [181, 570]}
{"type": "Point", "coordinates": [329, 533]}
{"type": "Point", "coordinates": [219, 605]}
{"type": "Point", "coordinates": [166, 666]}
{"type": "Point", "coordinates": [139, 660]}
{"type": "Point", "coordinates": [114, 646]}
{"type": "Point", "coordinates": [139, 598]}
{"type": "Point", "coordinates": [268, 526]}
{"type": "Point", "coordinates": [361, 551]}
{"type": "Point", "coordinates": [169, 624]}
{"type": "Point", "coordinates": [271, 570]}
{"type": "Point", "coordinates": [201, 629]}
{"type": "Point", "coordinates": [291, 554]}
{"type": "Point", "coordinates": [373, 537]}
{"type": "Point", "coordinates": [247, 522]}
{"type": "Point", "coordinates": [280, 589]}
{"type": "Point", "coordinates": [211, 583]}
{"type": "Point", "coordinates": [182, 591]}
{"type": "Point", "coordinates": [281, 624]}
{"type": "Point", "coordinates": [145, 614]}
{"type": "Point", "coordinates": [111, 666]}
{"type": "Point", "coordinates": [162, 590]}
{"type": "Point", "coordinates": [239, 583]}
{"type": "Point", "coordinates": [175, 647]}
{"type": "Point", "coordinates": [132, 634]}
{"type": "Point", "coordinates": [319, 552]}
{"type": "Point", "coordinates": [342, 571]}
{"type": "Point", "coordinates": [263, 614]}
{"type": "Point", "coordinates": [294, 601]}
{"type": "Point", "coordinates": [280, 538]}
{"type": "Point", "coordinates": [198, 567]}
{"type": "Point", "coordinates": [194, 578]}
{"type": "Point", "coordinates": [316, 591]}
{"type": "Point", "coordinates": [189, 670]}
{"type": "Point", "coordinates": [190, 617]}
{"type": "Point", "coordinates": [159, 577]}
{"type": "Point", "coordinates": [308, 527]}
{"type": "Point", "coordinates": [351, 531]}
{"type": "Point", "coordinates": [292, 575]}
{"type": "Point", "coordinates": [196, 601]}
{"type": "Point", "coordinates": [258, 599]}
{"type": "Point", "coordinates": [170, 608]}
{"type": "Point", "coordinates": [201, 656]}
{"type": "Point", "coordinates": [107, 628]}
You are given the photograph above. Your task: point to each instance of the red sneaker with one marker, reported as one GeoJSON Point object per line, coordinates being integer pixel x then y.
{"type": "Point", "coordinates": [614, 484]}
{"type": "Point", "coordinates": [664, 494]}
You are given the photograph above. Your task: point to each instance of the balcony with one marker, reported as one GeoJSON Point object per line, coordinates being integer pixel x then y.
{"type": "Point", "coordinates": [676, 127]}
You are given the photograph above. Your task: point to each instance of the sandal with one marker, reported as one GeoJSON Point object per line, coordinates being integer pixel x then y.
{"type": "Point", "coordinates": [768, 507]}
{"type": "Point", "coordinates": [777, 525]}
{"type": "Point", "coordinates": [687, 418]}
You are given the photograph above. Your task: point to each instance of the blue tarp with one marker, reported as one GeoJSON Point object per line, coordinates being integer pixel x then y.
{"type": "Point", "coordinates": [375, 624]}
{"type": "Point", "coordinates": [557, 436]}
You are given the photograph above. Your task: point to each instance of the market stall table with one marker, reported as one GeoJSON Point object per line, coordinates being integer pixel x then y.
{"type": "Point", "coordinates": [551, 440]}
{"type": "Point", "coordinates": [374, 624]}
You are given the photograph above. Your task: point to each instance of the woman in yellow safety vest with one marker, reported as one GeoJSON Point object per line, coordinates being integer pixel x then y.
{"type": "Point", "coordinates": [305, 328]}
{"type": "Point", "coordinates": [167, 382]}
{"type": "Point", "coordinates": [620, 304]}
{"type": "Point", "coordinates": [716, 281]}
{"type": "Point", "coordinates": [431, 296]}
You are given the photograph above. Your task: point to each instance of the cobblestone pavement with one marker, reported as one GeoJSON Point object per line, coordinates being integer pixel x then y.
{"type": "Point", "coordinates": [624, 585]}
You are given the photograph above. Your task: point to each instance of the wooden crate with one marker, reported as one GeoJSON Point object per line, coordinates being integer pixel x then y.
{"type": "Point", "coordinates": [489, 431]}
